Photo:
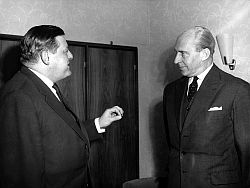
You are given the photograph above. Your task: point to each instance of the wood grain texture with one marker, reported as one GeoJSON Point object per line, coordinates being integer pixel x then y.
{"type": "Point", "coordinates": [112, 81]}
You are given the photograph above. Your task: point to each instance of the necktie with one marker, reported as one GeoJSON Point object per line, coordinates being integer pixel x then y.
{"type": "Point", "coordinates": [192, 89]}
{"type": "Point", "coordinates": [58, 92]}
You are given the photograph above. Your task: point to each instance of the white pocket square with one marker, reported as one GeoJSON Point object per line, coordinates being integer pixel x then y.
{"type": "Point", "coordinates": [215, 108]}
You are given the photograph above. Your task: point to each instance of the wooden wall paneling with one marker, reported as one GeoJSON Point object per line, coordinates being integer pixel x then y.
{"type": "Point", "coordinates": [9, 57]}
{"type": "Point", "coordinates": [112, 80]}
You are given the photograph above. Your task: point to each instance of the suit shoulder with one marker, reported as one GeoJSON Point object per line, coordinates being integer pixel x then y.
{"type": "Point", "coordinates": [231, 79]}
{"type": "Point", "coordinates": [173, 84]}
{"type": "Point", "coordinates": [19, 84]}
{"type": "Point", "coordinates": [234, 84]}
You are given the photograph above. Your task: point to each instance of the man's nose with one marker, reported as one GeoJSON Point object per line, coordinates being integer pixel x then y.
{"type": "Point", "coordinates": [70, 55]}
{"type": "Point", "coordinates": [177, 58]}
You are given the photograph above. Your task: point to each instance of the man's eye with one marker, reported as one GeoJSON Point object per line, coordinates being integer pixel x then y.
{"type": "Point", "coordinates": [184, 54]}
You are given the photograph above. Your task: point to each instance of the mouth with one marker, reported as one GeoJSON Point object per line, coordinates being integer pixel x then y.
{"type": "Point", "coordinates": [181, 67]}
{"type": "Point", "coordinates": [68, 67]}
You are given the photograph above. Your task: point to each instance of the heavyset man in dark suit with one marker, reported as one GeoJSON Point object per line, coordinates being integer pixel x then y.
{"type": "Point", "coordinates": [208, 131]}
{"type": "Point", "coordinates": [42, 142]}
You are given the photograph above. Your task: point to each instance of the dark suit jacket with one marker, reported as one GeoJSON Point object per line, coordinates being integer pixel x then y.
{"type": "Point", "coordinates": [41, 145]}
{"type": "Point", "coordinates": [210, 147]}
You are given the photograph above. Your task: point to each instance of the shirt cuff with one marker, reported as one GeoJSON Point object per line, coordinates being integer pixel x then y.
{"type": "Point", "coordinates": [97, 125]}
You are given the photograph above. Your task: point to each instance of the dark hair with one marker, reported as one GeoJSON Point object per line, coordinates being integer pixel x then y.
{"type": "Point", "coordinates": [37, 39]}
{"type": "Point", "coordinates": [204, 39]}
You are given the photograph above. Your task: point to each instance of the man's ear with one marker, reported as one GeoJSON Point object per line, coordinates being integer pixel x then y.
{"type": "Point", "coordinates": [45, 57]}
{"type": "Point", "coordinates": [205, 53]}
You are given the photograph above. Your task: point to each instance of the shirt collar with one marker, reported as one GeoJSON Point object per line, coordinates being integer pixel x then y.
{"type": "Point", "coordinates": [46, 80]}
{"type": "Point", "coordinates": [200, 76]}
{"type": "Point", "coordinates": [204, 73]}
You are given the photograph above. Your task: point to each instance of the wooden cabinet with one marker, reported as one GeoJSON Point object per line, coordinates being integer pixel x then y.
{"type": "Point", "coordinates": [102, 76]}
{"type": "Point", "coordinates": [112, 80]}
{"type": "Point", "coordinates": [9, 57]}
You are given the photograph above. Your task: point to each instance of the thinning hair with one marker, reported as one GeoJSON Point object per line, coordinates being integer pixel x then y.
{"type": "Point", "coordinates": [203, 39]}
{"type": "Point", "coordinates": [38, 39]}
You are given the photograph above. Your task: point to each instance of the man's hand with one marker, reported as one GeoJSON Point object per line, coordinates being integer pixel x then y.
{"type": "Point", "coordinates": [110, 115]}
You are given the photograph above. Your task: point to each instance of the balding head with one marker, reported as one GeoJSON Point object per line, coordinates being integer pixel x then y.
{"type": "Point", "coordinates": [202, 38]}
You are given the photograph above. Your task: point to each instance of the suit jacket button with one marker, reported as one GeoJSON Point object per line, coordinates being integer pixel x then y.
{"type": "Point", "coordinates": [86, 146]}
{"type": "Point", "coordinates": [182, 155]}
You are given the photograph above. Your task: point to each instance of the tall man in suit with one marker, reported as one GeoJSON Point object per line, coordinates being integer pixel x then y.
{"type": "Point", "coordinates": [42, 142]}
{"type": "Point", "coordinates": [207, 119]}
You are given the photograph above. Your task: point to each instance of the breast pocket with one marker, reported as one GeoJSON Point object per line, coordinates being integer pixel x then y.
{"type": "Point", "coordinates": [212, 116]}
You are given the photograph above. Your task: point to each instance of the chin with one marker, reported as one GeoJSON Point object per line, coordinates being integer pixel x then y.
{"type": "Point", "coordinates": [68, 73]}
{"type": "Point", "coordinates": [184, 73]}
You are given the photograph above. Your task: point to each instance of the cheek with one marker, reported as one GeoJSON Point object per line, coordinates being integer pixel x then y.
{"type": "Point", "coordinates": [197, 62]}
{"type": "Point", "coordinates": [187, 61]}
{"type": "Point", "coordinates": [62, 63]}
{"type": "Point", "coordinates": [192, 61]}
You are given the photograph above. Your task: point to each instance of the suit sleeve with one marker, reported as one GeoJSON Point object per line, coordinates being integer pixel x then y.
{"type": "Point", "coordinates": [165, 116]}
{"type": "Point", "coordinates": [90, 127]}
{"type": "Point", "coordinates": [165, 120]}
{"type": "Point", "coordinates": [241, 120]}
{"type": "Point", "coordinates": [21, 163]}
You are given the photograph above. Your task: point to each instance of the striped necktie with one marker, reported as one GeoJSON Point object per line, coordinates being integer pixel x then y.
{"type": "Point", "coordinates": [192, 89]}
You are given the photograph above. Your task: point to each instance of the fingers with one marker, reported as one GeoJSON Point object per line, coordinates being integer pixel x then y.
{"type": "Point", "coordinates": [110, 115]}
{"type": "Point", "coordinates": [116, 117]}
{"type": "Point", "coordinates": [116, 111]}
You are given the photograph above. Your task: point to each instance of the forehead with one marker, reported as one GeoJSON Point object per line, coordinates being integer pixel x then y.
{"type": "Point", "coordinates": [62, 41]}
{"type": "Point", "coordinates": [185, 42]}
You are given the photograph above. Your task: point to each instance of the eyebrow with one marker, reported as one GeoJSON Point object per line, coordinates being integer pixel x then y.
{"type": "Point", "coordinates": [181, 51]}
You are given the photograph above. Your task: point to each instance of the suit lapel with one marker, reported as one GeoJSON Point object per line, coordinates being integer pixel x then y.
{"type": "Point", "coordinates": [58, 107]}
{"type": "Point", "coordinates": [205, 95]}
{"type": "Point", "coordinates": [179, 99]}
{"type": "Point", "coordinates": [52, 101]}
